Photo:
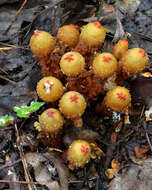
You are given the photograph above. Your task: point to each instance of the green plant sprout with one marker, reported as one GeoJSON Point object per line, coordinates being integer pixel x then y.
{"type": "Point", "coordinates": [25, 111]}
{"type": "Point", "coordinates": [6, 120]}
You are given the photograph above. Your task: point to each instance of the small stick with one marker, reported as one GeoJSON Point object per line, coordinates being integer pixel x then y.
{"type": "Point", "coordinates": [10, 164]}
{"type": "Point", "coordinates": [10, 46]}
{"type": "Point", "coordinates": [21, 182]}
{"type": "Point", "coordinates": [6, 44]}
{"type": "Point", "coordinates": [7, 48]}
{"type": "Point", "coordinates": [15, 17]}
{"type": "Point", "coordinates": [3, 71]}
{"type": "Point", "coordinates": [3, 52]}
{"type": "Point", "coordinates": [100, 9]}
{"type": "Point", "coordinates": [12, 82]}
{"type": "Point", "coordinates": [143, 36]}
{"type": "Point", "coordinates": [145, 128]}
{"type": "Point", "coordinates": [54, 17]}
{"type": "Point", "coordinates": [142, 112]}
{"type": "Point", "coordinates": [22, 157]}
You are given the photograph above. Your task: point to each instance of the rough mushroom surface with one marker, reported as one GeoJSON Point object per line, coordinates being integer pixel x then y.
{"type": "Point", "coordinates": [118, 99]}
{"type": "Point", "coordinates": [41, 43]}
{"type": "Point", "coordinates": [79, 154]}
{"type": "Point", "coordinates": [93, 34]}
{"type": "Point", "coordinates": [49, 89]}
{"type": "Point", "coordinates": [134, 61]}
{"type": "Point", "coordinates": [72, 104]}
{"type": "Point", "coordinates": [72, 63]}
{"type": "Point", "coordinates": [104, 65]}
{"type": "Point", "coordinates": [51, 120]}
{"type": "Point", "coordinates": [69, 34]}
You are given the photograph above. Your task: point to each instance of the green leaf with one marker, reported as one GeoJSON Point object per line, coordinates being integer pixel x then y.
{"type": "Point", "coordinates": [25, 111]}
{"type": "Point", "coordinates": [6, 120]}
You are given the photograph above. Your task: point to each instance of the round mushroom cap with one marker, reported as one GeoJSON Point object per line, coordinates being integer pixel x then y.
{"type": "Point", "coordinates": [79, 153]}
{"type": "Point", "coordinates": [72, 63]}
{"type": "Point", "coordinates": [69, 34]}
{"type": "Point", "coordinates": [118, 99]}
{"type": "Point", "coordinates": [93, 34]}
{"type": "Point", "coordinates": [72, 104]}
{"type": "Point", "coordinates": [51, 120]}
{"type": "Point", "coordinates": [120, 48]}
{"type": "Point", "coordinates": [134, 61]}
{"type": "Point", "coordinates": [104, 65]}
{"type": "Point", "coordinates": [41, 43]}
{"type": "Point", "coordinates": [49, 89]}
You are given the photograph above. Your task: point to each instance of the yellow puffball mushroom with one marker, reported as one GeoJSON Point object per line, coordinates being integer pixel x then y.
{"type": "Point", "coordinates": [49, 89]}
{"type": "Point", "coordinates": [72, 63]}
{"type": "Point", "coordinates": [120, 48]}
{"type": "Point", "coordinates": [93, 34]}
{"type": "Point", "coordinates": [51, 121]}
{"type": "Point", "coordinates": [41, 43]}
{"type": "Point", "coordinates": [104, 65]}
{"type": "Point", "coordinates": [69, 34]}
{"type": "Point", "coordinates": [118, 99]}
{"type": "Point", "coordinates": [79, 154]}
{"type": "Point", "coordinates": [134, 61]}
{"type": "Point", "coordinates": [72, 104]}
{"type": "Point", "coordinates": [50, 127]}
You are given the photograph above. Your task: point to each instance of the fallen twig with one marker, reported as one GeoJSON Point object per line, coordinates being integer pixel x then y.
{"type": "Point", "coordinates": [10, 164]}
{"type": "Point", "coordinates": [21, 182]}
{"type": "Point", "coordinates": [22, 158]}
{"type": "Point", "coordinates": [145, 128]}
{"type": "Point", "coordinates": [143, 36]}
{"type": "Point", "coordinates": [100, 9]}
{"type": "Point", "coordinates": [15, 17]}
{"type": "Point", "coordinates": [3, 71]}
{"type": "Point", "coordinates": [12, 82]}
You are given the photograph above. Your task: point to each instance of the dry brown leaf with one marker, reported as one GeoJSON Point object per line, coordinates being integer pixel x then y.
{"type": "Point", "coordinates": [137, 176]}
{"type": "Point", "coordinates": [140, 152]}
{"type": "Point", "coordinates": [43, 173]}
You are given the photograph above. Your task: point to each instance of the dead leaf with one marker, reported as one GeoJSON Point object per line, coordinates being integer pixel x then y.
{"type": "Point", "coordinates": [114, 137]}
{"type": "Point", "coordinates": [110, 172]}
{"type": "Point", "coordinates": [119, 33]}
{"type": "Point", "coordinates": [61, 168]}
{"type": "Point", "coordinates": [127, 6]}
{"type": "Point", "coordinates": [44, 172]}
{"type": "Point", "coordinates": [140, 152]}
{"type": "Point", "coordinates": [137, 177]}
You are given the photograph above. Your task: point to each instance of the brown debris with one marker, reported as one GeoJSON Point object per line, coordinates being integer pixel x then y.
{"type": "Point", "coordinates": [110, 172]}
{"type": "Point", "coordinates": [43, 175]}
{"type": "Point", "coordinates": [50, 140]}
{"type": "Point", "coordinates": [89, 86]}
{"type": "Point", "coordinates": [140, 151]}
{"type": "Point", "coordinates": [86, 51]}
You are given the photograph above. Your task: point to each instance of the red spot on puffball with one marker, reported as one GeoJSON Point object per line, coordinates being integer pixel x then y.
{"type": "Point", "coordinates": [69, 57]}
{"type": "Point", "coordinates": [37, 33]}
{"type": "Point", "coordinates": [97, 24]}
{"type": "Point", "coordinates": [121, 96]}
{"type": "Point", "coordinates": [50, 113]}
{"type": "Point", "coordinates": [124, 41]}
{"type": "Point", "coordinates": [142, 52]}
{"type": "Point", "coordinates": [106, 59]}
{"type": "Point", "coordinates": [74, 98]}
{"type": "Point", "coordinates": [74, 26]}
{"type": "Point", "coordinates": [84, 149]}
{"type": "Point", "coordinates": [50, 84]}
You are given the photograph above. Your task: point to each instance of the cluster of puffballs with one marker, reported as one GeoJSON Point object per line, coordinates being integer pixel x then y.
{"type": "Point", "coordinates": [72, 104]}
